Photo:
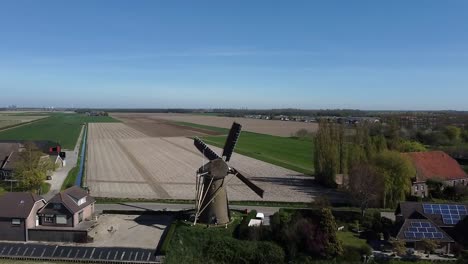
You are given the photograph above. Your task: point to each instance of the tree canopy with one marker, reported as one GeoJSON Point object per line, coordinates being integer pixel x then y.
{"type": "Point", "coordinates": [31, 168]}
{"type": "Point", "coordinates": [397, 171]}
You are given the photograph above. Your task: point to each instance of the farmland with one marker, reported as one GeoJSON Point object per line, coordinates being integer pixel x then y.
{"type": "Point", "coordinates": [10, 120]}
{"type": "Point", "coordinates": [59, 127]}
{"type": "Point", "coordinates": [269, 127]}
{"type": "Point", "coordinates": [123, 162]}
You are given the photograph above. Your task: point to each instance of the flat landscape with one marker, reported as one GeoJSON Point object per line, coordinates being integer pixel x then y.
{"type": "Point", "coordinates": [269, 127]}
{"type": "Point", "coordinates": [63, 128]}
{"type": "Point", "coordinates": [123, 162]}
{"type": "Point", "coordinates": [155, 127]}
{"type": "Point", "coordinates": [9, 120]}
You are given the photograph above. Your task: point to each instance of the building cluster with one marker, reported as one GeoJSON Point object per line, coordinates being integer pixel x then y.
{"type": "Point", "coordinates": [66, 217]}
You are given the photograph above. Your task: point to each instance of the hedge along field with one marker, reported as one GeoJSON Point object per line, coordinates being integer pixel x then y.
{"type": "Point", "coordinates": [287, 152]}
{"type": "Point", "coordinates": [61, 128]}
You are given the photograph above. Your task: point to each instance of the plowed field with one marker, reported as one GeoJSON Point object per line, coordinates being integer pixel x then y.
{"type": "Point", "coordinates": [125, 163]}
{"type": "Point", "coordinates": [269, 127]}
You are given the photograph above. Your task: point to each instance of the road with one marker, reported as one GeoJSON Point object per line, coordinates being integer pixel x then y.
{"type": "Point", "coordinates": [60, 174]}
{"type": "Point", "coordinates": [268, 211]}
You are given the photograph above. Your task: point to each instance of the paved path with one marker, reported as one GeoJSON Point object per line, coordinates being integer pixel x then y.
{"type": "Point", "coordinates": [59, 175]}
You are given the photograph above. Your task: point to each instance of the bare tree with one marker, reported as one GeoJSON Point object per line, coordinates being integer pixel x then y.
{"type": "Point", "coordinates": [365, 185]}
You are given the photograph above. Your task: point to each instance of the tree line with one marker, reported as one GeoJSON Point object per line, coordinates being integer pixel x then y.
{"type": "Point", "coordinates": [370, 158]}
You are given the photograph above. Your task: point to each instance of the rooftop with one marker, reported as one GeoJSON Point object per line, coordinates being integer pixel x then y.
{"type": "Point", "coordinates": [435, 165]}
{"type": "Point", "coordinates": [18, 204]}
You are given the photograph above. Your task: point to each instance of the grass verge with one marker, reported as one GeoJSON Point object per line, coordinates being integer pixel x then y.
{"type": "Point", "coordinates": [73, 173]}
{"type": "Point", "coordinates": [45, 188]}
{"type": "Point", "coordinates": [291, 153]}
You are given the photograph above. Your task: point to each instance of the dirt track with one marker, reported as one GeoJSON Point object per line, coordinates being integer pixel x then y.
{"type": "Point", "coordinates": [123, 162]}
{"type": "Point", "coordinates": [270, 127]}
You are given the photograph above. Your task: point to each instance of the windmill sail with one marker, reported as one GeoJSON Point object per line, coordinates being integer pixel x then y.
{"type": "Point", "coordinates": [259, 191]}
{"type": "Point", "coordinates": [203, 148]}
{"type": "Point", "coordinates": [231, 141]}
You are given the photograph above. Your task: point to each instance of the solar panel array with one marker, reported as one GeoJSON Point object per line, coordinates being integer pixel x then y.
{"type": "Point", "coordinates": [78, 254]}
{"type": "Point", "coordinates": [451, 213]}
{"type": "Point", "coordinates": [420, 230]}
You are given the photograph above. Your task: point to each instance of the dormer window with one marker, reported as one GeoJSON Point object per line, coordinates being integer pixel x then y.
{"type": "Point", "coordinates": [57, 206]}
{"type": "Point", "coordinates": [82, 201]}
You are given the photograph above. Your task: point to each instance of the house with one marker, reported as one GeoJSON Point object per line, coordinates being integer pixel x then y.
{"type": "Point", "coordinates": [67, 217]}
{"type": "Point", "coordinates": [6, 151]}
{"type": "Point", "coordinates": [68, 208]}
{"type": "Point", "coordinates": [10, 154]}
{"type": "Point", "coordinates": [432, 221]}
{"type": "Point", "coordinates": [435, 165]}
{"type": "Point", "coordinates": [18, 214]}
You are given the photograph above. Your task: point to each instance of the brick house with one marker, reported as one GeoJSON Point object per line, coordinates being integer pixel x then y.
{"type": "Point", "coordinates": [68, 208]}
{"type": "Point", "coordinates": [18, 214]}
{"type": "Point", "coordinates": [435, 165]}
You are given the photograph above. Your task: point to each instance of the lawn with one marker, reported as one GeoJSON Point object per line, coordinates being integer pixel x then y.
{"type": "Point", "coordinates": [291, 153]}
{"type": "Point", "coordinates": [59, 127]}
{"type": "Point", "coordinates": [350, 239]}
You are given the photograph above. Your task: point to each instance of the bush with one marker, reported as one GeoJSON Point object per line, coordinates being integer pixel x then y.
{"type": "Point", "coordinates": [352, 253]}
{"type": "Point", "coordinates": [242, 231]}
{"type": "Point", "coordinates": [229, 250]}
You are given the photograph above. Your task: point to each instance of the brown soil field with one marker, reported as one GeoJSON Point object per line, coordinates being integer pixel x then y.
{"type": "Point", "coordinates": [270, 127]}
{"type": "Point", "coordinates": [160, 127]}
{"type": "Point", "coordinates": [123, 163]}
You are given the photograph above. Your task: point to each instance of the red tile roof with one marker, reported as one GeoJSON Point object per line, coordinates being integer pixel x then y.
{"type": "Point", "coordinates": [436, 165]}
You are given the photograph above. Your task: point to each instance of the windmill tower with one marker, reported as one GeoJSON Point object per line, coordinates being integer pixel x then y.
{"type": "Point", "coordinates": [211, 202]}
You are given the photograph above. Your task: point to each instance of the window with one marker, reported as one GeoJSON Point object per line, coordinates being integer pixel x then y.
{"type": "Point", "coordinates": [416, 188]}
{"type": "Point", "coordinates": [15, 221]}
{"type": "Point", "coordinates": [57, 206]}
{"type": "Point", "coordinates": [48, 219]}
{"type": "Point", "coordinates": [80, 217]}
{"type": "Point", "coordinates": [422, 187]}
{"type": "Point", "coordinates": [82, 201]}
{"type": "Point", "coordinates": [61, 219]}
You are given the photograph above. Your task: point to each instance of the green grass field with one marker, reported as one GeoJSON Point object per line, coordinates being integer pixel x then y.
{"type": "Point", "coordinates": [291, 153]}
{"type": "Point", "coordinates": [61, 128]}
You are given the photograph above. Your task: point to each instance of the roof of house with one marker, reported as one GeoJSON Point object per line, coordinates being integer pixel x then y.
{"type": "Point", "coordinates": [7, 147]}
{"type": "Point", "coordinates": [415, 210]}
{"type": "Point", "coordinates": [69, 198]}
{"type": "Point", "coordinates": [435, 165]}
{"type": "Point", "coordinates": [408, 224]}
{"type": "Point", "coordinates": [18, 204]}
{"type": "Point", "coordinates": [414, 213]}
{"type": "Point", "coordinates": [11, 161]}
{"type": "Point", "coordinates": [42, 145]}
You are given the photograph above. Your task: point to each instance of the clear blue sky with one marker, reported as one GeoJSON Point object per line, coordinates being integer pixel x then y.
{"type": "Point", "coordinates": [255, 54]}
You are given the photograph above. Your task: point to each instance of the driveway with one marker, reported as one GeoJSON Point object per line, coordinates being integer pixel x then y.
{"type": "Point", "coordinates": [59, 175]}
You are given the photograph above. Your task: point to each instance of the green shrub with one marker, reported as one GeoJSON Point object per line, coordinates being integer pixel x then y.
{"type": "Point", "coordinates": [229, 250]}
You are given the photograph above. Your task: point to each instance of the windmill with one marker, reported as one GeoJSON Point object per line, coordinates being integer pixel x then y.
{"type": "Point", "coordinates": [211, 202]}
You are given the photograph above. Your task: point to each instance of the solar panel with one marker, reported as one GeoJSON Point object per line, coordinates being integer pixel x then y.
{"type": "Point", "coordinates": [423, 224]}
{"type": "Point", "coordinates": [451, 213]}
{"type": "Point", "coordinates": [423, 229]}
